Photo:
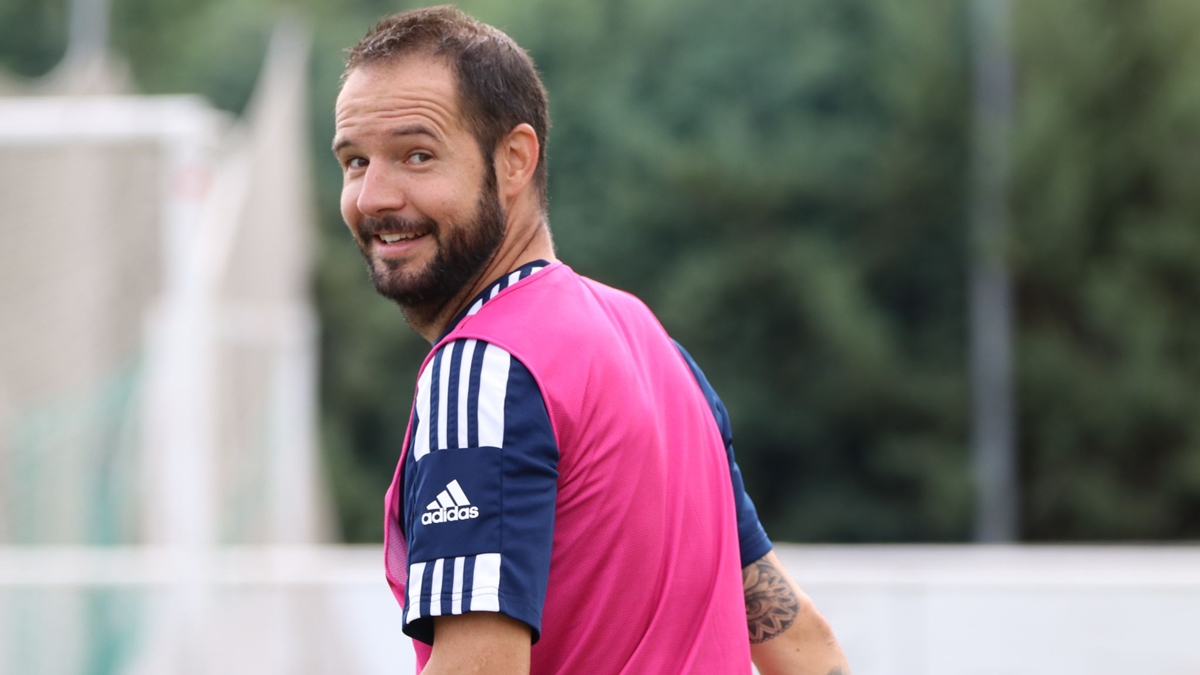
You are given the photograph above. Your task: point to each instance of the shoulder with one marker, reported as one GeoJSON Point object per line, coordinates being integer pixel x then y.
{"type": "Point", "coordinates": [556, 314]}
{"type": "Point", "coordinates": [469, 357]}
{"type": "Point", "coordinates": [557, 296]}
{"type": "Point", "coordinates": [469, 395]}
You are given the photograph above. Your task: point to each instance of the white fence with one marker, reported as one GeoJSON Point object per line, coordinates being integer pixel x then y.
{"type": "Point", "coordinates": [898, 610]}
{"type": "Point", "coordinates": [966, 610]}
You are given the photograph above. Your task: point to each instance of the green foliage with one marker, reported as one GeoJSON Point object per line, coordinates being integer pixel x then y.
{"type": "Point", "coordinates": [181, 46]}
{"type": "Point", "coordinates": [782, 183]}
{"type": "Point", "coordinates": [33, 35]}
{"type": "Point", "coordinates": [1106, 253]}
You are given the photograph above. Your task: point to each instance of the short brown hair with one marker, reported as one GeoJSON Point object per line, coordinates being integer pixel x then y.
{"type": "Point", "coordinates": [498, 85]}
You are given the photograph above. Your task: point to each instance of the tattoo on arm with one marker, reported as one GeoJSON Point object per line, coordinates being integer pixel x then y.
{"type": "Point", "coordinates": [837, 670]}
{"type": "Point", "coordinates": [771, 604]}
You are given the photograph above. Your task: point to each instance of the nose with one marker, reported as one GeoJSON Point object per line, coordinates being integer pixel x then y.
{"type": "Point", "coordinates": [380, 193]}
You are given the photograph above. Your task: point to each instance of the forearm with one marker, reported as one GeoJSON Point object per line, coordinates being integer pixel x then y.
{"type": "Point", "coordinates": [788, 636]}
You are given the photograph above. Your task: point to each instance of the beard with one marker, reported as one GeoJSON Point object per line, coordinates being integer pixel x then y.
{"type": "Point", "coordinates": [462, 251]}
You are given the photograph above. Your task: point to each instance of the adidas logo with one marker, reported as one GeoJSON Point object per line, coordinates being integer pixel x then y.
{"type": "Point", "coordinates": [451, 504]}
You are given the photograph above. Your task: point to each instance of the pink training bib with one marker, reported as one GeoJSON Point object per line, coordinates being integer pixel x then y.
{"type": "Point", "coordinates": [645, 576]}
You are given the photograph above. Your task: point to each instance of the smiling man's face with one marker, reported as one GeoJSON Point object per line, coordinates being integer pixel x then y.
{"type": "Point", "coordinates": [417, 194]}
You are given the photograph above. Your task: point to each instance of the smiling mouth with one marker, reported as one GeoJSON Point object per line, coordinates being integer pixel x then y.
{"type": "Point", "coordinates": [393, 237]}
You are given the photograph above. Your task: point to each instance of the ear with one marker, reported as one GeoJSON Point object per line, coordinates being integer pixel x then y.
{"type": "Point", "coordinates": [516, 160]}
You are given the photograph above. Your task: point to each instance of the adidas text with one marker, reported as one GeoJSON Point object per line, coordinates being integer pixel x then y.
{"type": "Point", "coordinates": [450, 515]}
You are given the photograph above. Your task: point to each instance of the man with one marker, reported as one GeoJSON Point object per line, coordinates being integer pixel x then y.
{"type": "Point", "coordinates": [566, 500]}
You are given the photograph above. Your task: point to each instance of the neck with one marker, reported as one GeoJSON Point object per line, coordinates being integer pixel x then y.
{"type": "Point", "coordinates": [521, 245]}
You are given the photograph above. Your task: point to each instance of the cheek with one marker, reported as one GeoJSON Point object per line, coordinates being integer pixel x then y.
{"type": "Point", "coordinates": [454, 201]}
{"type": "Point", "coordinates": [349, 205]}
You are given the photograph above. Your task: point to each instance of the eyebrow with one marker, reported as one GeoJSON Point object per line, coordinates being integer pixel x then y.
{"type": "Point", "coordinates": [411, 130]}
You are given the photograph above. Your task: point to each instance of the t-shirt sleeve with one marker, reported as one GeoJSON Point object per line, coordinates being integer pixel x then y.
{"type": "Point", "coordinates": [480, 482]}
{"type": "Point", "coordinates": [752, 538]}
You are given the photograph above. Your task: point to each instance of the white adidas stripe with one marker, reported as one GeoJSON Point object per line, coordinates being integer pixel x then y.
{"type": "Point", "coordinates": [444, 500]}
{"type": "Point", "coordinates": [456, 491]}
{"type": "Point", "coordinates": [493, 388]}
{"type": "Point", "coordinates": [421, 429]}
{"type": "Point", "coordinates": [464, 381]}
{"type": "Point", "coordinates": [443, 396]}
{"type": "Point", "coordinates": [416, 573]}
{"type": "Point", "coordinates": [435, 588]}
{"type": "Point", "coordinates": [456, 588]}
{"type": "Point", "coordinates": [485, 588]}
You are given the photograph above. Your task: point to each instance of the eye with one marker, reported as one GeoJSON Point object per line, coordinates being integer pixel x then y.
{"type": "Point", "coordinates": [356, 163]}
{"type": "Point", "coordinates": [420, 157]}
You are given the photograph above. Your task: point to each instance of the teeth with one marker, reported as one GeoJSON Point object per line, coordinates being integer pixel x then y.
{"type": "Point", "coordinates": [393, 238]}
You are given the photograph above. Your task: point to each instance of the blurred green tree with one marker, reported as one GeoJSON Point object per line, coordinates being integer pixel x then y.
{"type": "Point", "coordinates": [782, 182]}
{"type": "Point", "coordinates": [1106, 251]}
{"type": "Point", "coordinates": [33, 35]}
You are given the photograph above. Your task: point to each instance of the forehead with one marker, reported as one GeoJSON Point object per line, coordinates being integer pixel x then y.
{"type": "Point", "coordinates": [410, 89]}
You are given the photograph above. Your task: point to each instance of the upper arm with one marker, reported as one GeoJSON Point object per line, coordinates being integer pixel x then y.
{"type": "Point", "coordinates": [479, 643]}
{"type": "Point", "coordinates": [480, 482]}
{"type": "Point", "coordinates": [753, 542]}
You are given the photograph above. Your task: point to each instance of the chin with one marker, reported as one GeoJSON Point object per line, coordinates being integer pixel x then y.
{"type": "Point", "coordinates": [407, 268]}
{"type": "Point", "coordinates": [404, 286]}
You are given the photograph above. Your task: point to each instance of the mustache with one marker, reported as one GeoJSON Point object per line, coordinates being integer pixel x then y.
{"type": "Point", "coordinates": [370, 226]}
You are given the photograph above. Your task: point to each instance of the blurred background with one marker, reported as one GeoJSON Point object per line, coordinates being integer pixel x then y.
{"type": "Point", "coordinates": [940, 258]}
